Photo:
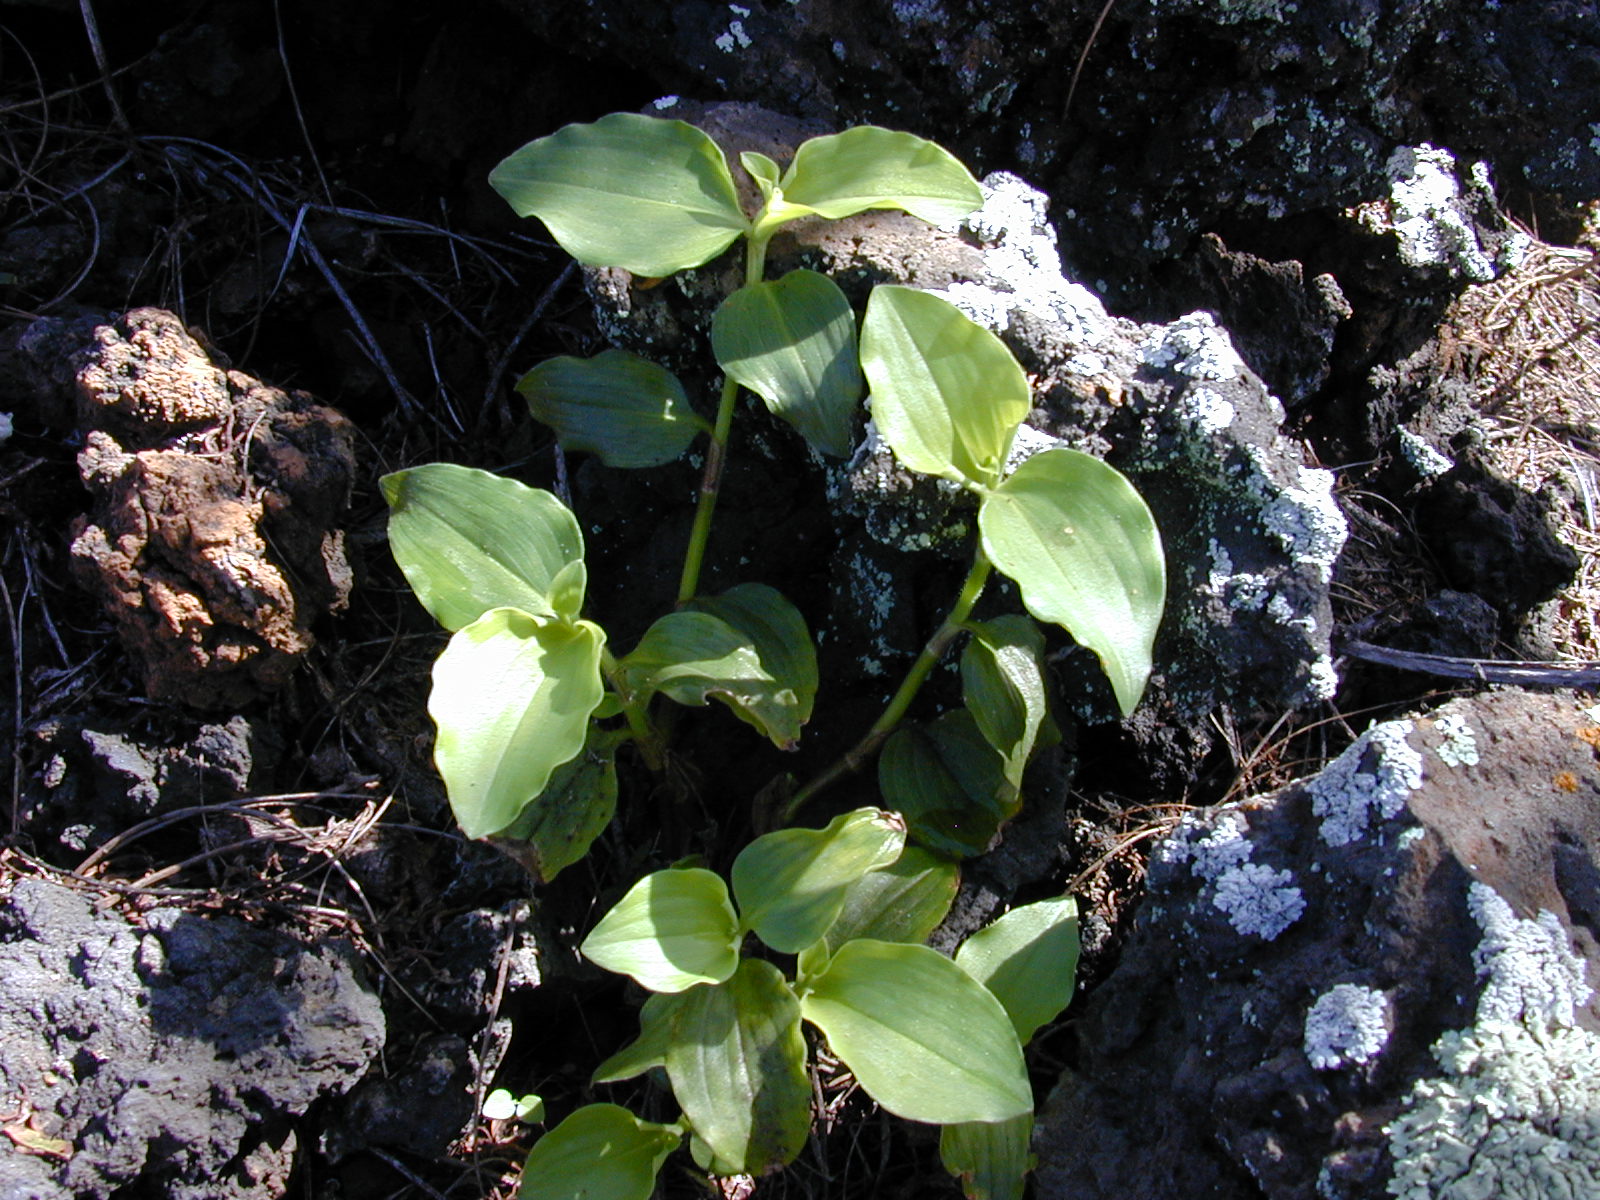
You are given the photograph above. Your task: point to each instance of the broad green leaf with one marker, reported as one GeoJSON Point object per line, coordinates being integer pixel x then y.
{"type": "Point", "coordinates": [469, 541]}
{"type": "Point", "coordinates": [1029, 959]}
{"type": "Point", "coordinates": [791, 884]}
{"type": "Point", "coordinates": [640, 193]}
{"type": "Point", "coordinates": [902, 902]}
{"type": "Point", "coordinates": [783, 644]}
{"type": "Point", "coordinates": [1002, 680]}
{"type": "Point", "coordinates": [623, 408]}
{"type": "Point", "coordinates": [600, 1152]}
{"type": "Point", "coordinates": [649, 1049]}
{"type": "Point", "coordinates": [948, 783]}
{"type": "Point", "coordinates": [926, 1040]}
{"type": "Point", "coordinates": [989, 1159]}
{"type": "Point", "coordinates": [1085, 552]}
{"type": "Point", "coordinates": [674, 929]}
{"type": "Point", "coordinates": [737, 1062]}
{"type": "Point", "coordinates": [559, 825]}
{"type": "Point", "coordinates": [793, 343]}
{"type": "Point", "coordinates": [946, 393]}
{"type": "Point", "coordinates": [868, 167]}
{"type": "Point", "coordinates": [512, 695]}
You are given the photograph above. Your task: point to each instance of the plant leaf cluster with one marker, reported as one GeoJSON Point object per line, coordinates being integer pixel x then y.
{"type": "Point", "coordinates": [532, 703]}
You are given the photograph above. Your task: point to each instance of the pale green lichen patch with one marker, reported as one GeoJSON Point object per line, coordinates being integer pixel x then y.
{"type": "Point", "coordinates": [1516, 1110]}
{"type": "Point", "coordinates": [1371, 779]}
{"type": "Point", "coordinates": [1459, 748]}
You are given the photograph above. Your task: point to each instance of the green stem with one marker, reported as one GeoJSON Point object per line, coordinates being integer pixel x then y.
{"type": "Point", "coordinates": [861, 753]}
{"type": "Point", "coordinates": [717, 456]}
{"type": "Point", "coordinates": [644, 734]}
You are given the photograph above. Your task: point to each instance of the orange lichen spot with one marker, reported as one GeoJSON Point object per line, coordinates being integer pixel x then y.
{"type": "Point", "coordinates": [1591, 734]}
{"type": "Point", "coordinates": [1566, 781]}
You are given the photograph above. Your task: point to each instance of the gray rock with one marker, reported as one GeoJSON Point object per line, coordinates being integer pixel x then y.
{"type": "Point", "coordinates": [171, 1055]}
{"type": "Point", "coordinates": [1383, 973]}
{"type": "Point", "coordinates": [94, 783]}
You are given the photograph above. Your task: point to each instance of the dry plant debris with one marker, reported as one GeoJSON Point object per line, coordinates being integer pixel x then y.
{"type": "Point", "coordinates": [1529, 344]}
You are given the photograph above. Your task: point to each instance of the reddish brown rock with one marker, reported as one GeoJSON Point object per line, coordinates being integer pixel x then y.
{"type": "Point", "coordinates": [214, 541]}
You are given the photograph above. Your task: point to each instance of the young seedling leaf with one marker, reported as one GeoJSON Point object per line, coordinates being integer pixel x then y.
{"type": "Point", "coordinates": [948, 783]}
{"type": "Point", "coordinates": [783, 644]}
{"type": "Point", "coordinates": [600, 1152]}
{"type": "Point", "coordinates": [1084, 550]}
{"type": "Point", "coordinates": [791, 884]}
{"type": "Point", "coordinates": [468, 541]}
{"type": "Point", "coordinates": [512, 695]}
{"type": "Point", "coordinates": [559, 825]}
{"type": "Point", "coordinates": [737, 1062]}
{"type": "Point", "coordinates": [946, 393]}
{"type": "Point", "coordinates": [926, 1040]}
{"type": "Point", "coordinates": [1029, 960]}
{"type": "Point", "coordinates": [1003, 685]}
{"type": "Point", "coordinates": [990, 1159]}
{"type": "Point", "coordinates": [868, 167]}
{"type": "Point", "coordinates": [902, 902]}
{"type": "Point", "coordinates": [674, 929]}
{"type": "Point", "coordinates": [793, 343]}
{"type": "Point", "coordinates": [503, 1105]}
{"type": "Point", "coordinates": [640, 193]}
{"type": "Point", "coordinates": [623, 408]}
{"type": "Point", "coordinates": [649, 1049]}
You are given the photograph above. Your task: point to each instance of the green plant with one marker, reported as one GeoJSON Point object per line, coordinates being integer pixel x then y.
{"type": "Point", "coordinates": [929, 1039]}
{"type": "Point", "coordinates": [532, 705]}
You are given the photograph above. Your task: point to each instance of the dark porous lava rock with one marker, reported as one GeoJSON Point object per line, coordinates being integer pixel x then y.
{"type": "Point", "coordinates": [1324, 985]}
{"type": "Point", "coordinates": [167, 1057]}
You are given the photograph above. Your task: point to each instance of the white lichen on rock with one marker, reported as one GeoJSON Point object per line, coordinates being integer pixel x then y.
{"type": "Point", "coordinates": [1428, 209]}
{"type": "Point", "coordinates": [1459, 748]}
{"type": "Point", "coordinates": [1349, 793]}
{"type": "Point", "coordinates": [1348, 1025]}
{"type": "Point", "coordinates": [1257, 899]}
{"type": "Point", "coordinates": [1423, 458]}
{"type": "Point", "coordinates": [734, 36]}
{"type": "Point", "coordinates": [6, 428]}
{"type": "Point", "coordinates": [1019, 251]}
{"type": "Point", "coordinates": [1195, 346]}
{"type": "Point", "coordinates": [1307, 521]}
{"type": "Point", "coordinates": [1516, 1110]}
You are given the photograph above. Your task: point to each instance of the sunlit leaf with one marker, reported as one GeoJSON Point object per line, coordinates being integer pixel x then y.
{"type": "Point", "coordinates": [644, 194]}
{"type": "Point", "coordinates": [868, 167]}
{"type": "Point", "coordinates": [623, 408]}
{"type": "Point", "coordinates": [511, 697]}
{"type": "Point", "coordinates": [946, 393]}
{"type": "Point", "coordinates": [673, 929]}
{"type": "Point", "coordinates": [793, 343]}
{"type": "Point", "coordinates": [600, 1152]}
{"type": "Point", "coordinates": [783, 644]}
{"type": "Point", "coordinates": [559, 825]}
{"type": "Point", "coordinates": [1003, 684]}
{"type": "Point", "coordinates": [737, 1062]}
{"type": "Point", "coordinates": [901, 902]}
{"type": "Point", "coordinates": [1086, 555]}
{"type": "Point", "coordinates": [469, 541]}
{"type": "Point", "coordinates": [990, 1159]}
{"type": "Point", "coordinates": [1029, 959]}
{"type": "Point", "coordinates": [791, 884]}
{"type": "Point", "coordinates": [948, 783]}
{"type": "Point", "coordinates": [925, 1039]}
